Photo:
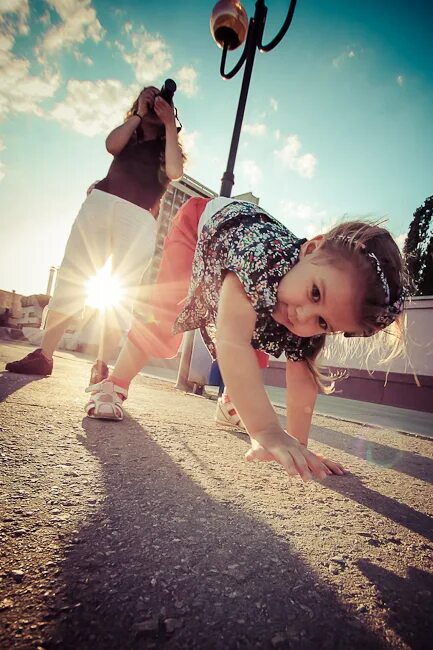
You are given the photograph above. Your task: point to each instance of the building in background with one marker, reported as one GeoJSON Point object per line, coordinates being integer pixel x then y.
{"type": "Point", "coordinates": [32, 309]}
{"type": "Point", "coordinates": [178, 192]}
{"type": "Point", "coordinates": [247, 196]}
{"type": "Point", "coordinates": [51, 280]}
{"type": "Point", "coordinates": [18, 313]}
{"type": "Point", "coordinates": [11, 301]}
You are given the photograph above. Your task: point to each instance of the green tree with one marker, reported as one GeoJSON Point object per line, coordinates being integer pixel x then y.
{"type": "Point", "coordinates": [418, 249]}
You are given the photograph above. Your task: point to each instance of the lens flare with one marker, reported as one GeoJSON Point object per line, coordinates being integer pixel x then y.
{"type": "Point", "coordinates": [104, 290]}
{"type": "Point", "coordinates": [377, 454]}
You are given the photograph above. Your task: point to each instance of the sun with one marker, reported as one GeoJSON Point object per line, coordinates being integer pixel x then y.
{"type": "Point", "coordinates": [103, 290]}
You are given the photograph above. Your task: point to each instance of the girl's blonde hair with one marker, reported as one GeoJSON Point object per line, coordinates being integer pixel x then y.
{"type": "Point", "coordinates": [359, 244]}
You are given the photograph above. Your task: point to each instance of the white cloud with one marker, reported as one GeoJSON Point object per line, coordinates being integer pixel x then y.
{"type": "Point", "coordinates": [186, 79]}
{"type": "Point", "coordinates": [290, 157]}
{"type": "Point", "coordinates": [277, 134]}
{"type": "Point", "coordinates": [305, 211]}
{"type": "Point", "coordinates": [2, 165]}
{"type": "Point", "coordinates": [14, 16]}
{"type": "Point", "coordinates": [19, 90]}
{"type": "Point", "coordinates": [150, 56]}
{"type": "Point", "coordinates": [96, 107]}
{"type": "Point", "coordinates": [188, 140]}
{"type": "Point", "coordinates": [306, 219]}
{"type": "Point", "coordinates": [400, 240]}
{"type": "Point", "coordinates": [274, 104]}
{"type": "Point", "coordinates": [45, 18]}
{"type": "Point", "coordinates": [341, 58]}
{"type": "Point", "coordinates": [251, 172]}
{"type": "Point", "coordinates": [78, 23]}
{"type": "Point", "coordinates": [400, 79]}
{"type": "Point", "coordinates": [7, 41]}
{"type": "Point", "coordinates": [254, 129]}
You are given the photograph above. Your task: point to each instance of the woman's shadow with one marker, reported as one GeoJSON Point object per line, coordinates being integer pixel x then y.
{"type": "Point", "coordinates": [11, 382]}
{"type": "Point", "coordinates": [162, 563]}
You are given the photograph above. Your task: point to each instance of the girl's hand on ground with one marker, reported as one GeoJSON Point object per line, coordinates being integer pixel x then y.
{"type": "Point", "coordinates": [332, 467]}
{"type": "Point", "coordinates": [294, 457]}
{"type": "Point", "coordinates": [164, 111]}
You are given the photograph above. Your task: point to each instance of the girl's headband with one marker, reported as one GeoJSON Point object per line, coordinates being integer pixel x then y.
{"type": "Point", "coordinates": [389, 311]}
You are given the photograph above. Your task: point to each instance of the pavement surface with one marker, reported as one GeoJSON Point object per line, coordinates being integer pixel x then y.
{"type": "Point", "coordinates": [154, 533]}
{"type": "Point", "coordinates": [417, 423]}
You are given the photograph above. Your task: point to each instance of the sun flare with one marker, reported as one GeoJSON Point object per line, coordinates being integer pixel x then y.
{"type": "Point", "coordinates": [103, 290]}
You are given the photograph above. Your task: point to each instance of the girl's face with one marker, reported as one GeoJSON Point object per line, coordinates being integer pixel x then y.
{"type": "Point", "coordinates": [315, 297]}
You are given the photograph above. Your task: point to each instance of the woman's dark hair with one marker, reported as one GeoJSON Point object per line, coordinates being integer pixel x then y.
{"type": "Point", "coordinates": [161, 135]}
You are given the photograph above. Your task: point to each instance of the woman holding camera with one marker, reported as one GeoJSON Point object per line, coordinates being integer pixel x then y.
{"type": "Point", "coordinates": [117, 219]}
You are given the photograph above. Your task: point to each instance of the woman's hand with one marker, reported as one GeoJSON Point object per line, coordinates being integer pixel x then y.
{"type": "Point", "coordinates": [164, 111]}
{"type": "Point", "coordinates": [294, 457]}
{"type": "Point", "coordinates": [91, 187]}
{"type": "Point", "coordinates": [146, 100]}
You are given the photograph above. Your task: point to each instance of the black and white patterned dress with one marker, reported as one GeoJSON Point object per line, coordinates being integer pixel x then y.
{"type": "Point", "coordinates": [244, 239]}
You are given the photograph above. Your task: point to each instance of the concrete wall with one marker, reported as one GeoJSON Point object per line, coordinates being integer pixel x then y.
{"type": "Point", "coordinates": [419, 357]}
{"type": "Point", "coordinates": [370, 380]}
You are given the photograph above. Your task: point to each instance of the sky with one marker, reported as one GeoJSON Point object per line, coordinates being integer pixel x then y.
{"type": "Point", "coordinates": [338, 119]}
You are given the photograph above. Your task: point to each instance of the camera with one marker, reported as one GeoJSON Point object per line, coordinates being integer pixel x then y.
{"type": "Point", "coordinates": [167, 91]}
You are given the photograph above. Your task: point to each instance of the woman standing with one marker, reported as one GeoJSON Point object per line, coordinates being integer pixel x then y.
{"type": "Point", "coordinates": [117, 219]}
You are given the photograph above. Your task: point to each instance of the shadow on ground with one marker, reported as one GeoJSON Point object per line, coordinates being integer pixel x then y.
{"type": "Point", "coordinates": [11, 382]}
{"type": "Point", "coordinates": [406, 462]}
{"type": "Point", "coordinates": [162, 564]}
{"type": "Point", "coordinates": [411, 603]}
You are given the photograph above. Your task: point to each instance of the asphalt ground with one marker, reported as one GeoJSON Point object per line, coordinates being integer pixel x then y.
{"type": "Point", "coordinates": [412, 422]}
{"type": "Point", "coordinates": [154, 533]}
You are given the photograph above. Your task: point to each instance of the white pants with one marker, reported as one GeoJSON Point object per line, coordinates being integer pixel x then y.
{"type": "Point", "coordinates": [106, 225]}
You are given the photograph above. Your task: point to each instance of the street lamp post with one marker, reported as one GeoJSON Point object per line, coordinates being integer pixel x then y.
{"type": "Point", "coordinates": [230, 28]}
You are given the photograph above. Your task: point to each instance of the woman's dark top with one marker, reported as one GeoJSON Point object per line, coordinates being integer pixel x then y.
{"type": "Point", "coordinates": [136, 173]}
{"type": "Point", "coordinates": [246, 240]}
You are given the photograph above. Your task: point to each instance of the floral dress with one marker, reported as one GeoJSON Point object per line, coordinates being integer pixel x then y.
{"type": "Point", "coordinates": [244, 239]}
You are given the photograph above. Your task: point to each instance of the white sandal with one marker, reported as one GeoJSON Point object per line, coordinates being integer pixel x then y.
{"type": "Point", "coordinates": [105, 402]}
{"type": "Point", "coordinates": [227, 416]}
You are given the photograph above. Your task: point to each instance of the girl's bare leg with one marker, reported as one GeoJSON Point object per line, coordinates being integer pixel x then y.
{"type": "Point", "coordinates": [129, 363]}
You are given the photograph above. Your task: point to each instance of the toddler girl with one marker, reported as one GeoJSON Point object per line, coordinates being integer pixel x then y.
{"type": "Point", "coordinates": [253, 285]}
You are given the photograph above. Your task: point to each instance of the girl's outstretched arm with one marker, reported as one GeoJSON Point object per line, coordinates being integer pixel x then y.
{"type": "Point", "coordinates": [301, 397]}
{"type": "Point", "coordinates": [235, 326]}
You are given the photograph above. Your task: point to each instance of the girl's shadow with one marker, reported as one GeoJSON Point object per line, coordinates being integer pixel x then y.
{"type": "Point", "coordinates": [163, 563]}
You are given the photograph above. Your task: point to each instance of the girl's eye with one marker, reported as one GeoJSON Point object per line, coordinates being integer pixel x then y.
{"type": "Point", "coordinates": [315, 293]}
{"type": "Point", "coordinates": [322, 323]}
